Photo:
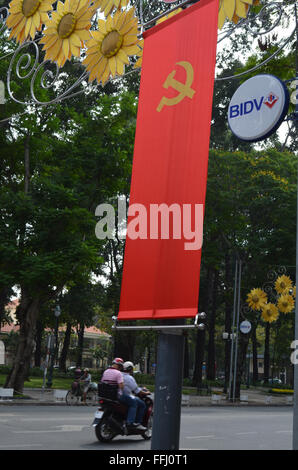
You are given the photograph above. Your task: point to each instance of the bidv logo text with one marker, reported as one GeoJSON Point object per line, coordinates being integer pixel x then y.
{"type": "Point", "coordinates": [247, 107]}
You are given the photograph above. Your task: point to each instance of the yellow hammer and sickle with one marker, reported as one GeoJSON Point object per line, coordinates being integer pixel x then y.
{"type": "Point", "coordinates": [184, 89]}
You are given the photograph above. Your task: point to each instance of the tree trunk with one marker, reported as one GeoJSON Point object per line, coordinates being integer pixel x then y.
{"type": "Point", "coordinates": [227, 358]}
{"type": "Point", "coordinates": [212, 302]}
{"type": "Point", "coordinates": [38, 341]}
{"type": "Point", "coordinates": [255, 373]}
{"type": "Point", "coordinates": [27, 164]}
{"type": "Point", "coordinates": [80, 345]}
{"type": "Point", "coordinates": [27, 314]}
{"type": "Point", "coordinates": [65, 348]}
{"type": "Point", "coordinates": [124, 345]}
{"type": "Point", "coordinates": [199, 359]}
{"type": "Point", "coordinates": [228, 319]}
{"type": "Point", "coordinates": [186, 358]}
{"type": "Point", "coordinates": [4, 299]}
{"type": "Point", "coordinates": [267, 353]}
{"type": "Point", "coordinates": [241, 361]}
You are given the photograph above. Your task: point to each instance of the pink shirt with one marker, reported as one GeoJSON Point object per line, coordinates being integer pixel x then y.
{"type": "Point", "coordinates": [112, 376]}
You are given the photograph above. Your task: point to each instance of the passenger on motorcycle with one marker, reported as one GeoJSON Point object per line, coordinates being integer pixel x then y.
{"type": "Point", "coordinates": [137, 407]}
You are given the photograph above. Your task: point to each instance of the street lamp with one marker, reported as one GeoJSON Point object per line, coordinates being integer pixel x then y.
{"type": "Point", "coordinates": [54, 350]}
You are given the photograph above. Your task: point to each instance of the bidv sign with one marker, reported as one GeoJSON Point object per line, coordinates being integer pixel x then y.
{"type": "Point", "coordinates": [258, 107]}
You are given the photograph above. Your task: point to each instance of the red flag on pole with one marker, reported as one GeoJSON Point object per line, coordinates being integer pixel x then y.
{"type": "Point", "coordinates": [165, 218]}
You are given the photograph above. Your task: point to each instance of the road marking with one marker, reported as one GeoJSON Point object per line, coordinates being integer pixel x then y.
{"type": "Point", "coordinates": [200, 437]}
{"type": "Point", "coordinates": [72, 427]}
{"type": "Point", "coordinates": [21, 445]}
{"type": "Point", "coordinates": [244, 433]}
{"type": "Point", "coordinates": [57, 418]}
{"type": "Point", "coordinates": [64, 428]}
{"type": "Point", "coordinates": [197, 448]}
{"type": "Point", "coordinates": [279, 432]}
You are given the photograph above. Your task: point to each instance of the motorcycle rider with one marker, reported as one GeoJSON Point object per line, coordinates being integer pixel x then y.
{"type": "Point", "coordinates": [112, 374]}
{"type": "Point", "coordinates": [129, 396]}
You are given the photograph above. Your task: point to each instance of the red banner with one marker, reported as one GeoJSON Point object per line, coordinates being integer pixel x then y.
{"type": "Point", "coordinates": [161, 269]}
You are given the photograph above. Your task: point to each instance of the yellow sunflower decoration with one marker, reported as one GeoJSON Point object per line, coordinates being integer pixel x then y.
{"type": "Point", "coordinates": [256, 299]}
{"type": "Point", "coordinates": [173, 13]}
{"type": "Point", "coordinates": [233, 10]}
{"type": "Point", "coordinates": [110, 46]}
{"type": "Point", "coordinates": [107, 6]}
{"type": "Point", "coordinates": [283, 284]}
{"type": "Point", "coordinates": [26, 17]}
{"type": "Point", "coordinates": [67, 30]}
{"type": "Point", "coordinates": [285, 303]}
{"type": "Point", "coordinates": [270, 313]}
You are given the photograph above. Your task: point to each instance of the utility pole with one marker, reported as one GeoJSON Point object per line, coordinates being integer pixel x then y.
{"type": "Point", "coordinates": [167, 396]}
{"type": "Point", "coordinates": [295, 411]}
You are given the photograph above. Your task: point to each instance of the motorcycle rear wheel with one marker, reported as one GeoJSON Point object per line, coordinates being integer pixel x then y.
{"type": "Point", "coordinates": [148, 433]}
{"type": "Point", "coordinates": [104, 432]}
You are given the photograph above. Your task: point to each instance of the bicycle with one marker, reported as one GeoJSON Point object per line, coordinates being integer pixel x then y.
{"type": "Point", "coordinates": [75, 395]}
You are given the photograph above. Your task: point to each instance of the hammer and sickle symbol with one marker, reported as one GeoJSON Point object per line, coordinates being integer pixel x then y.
{"type": "Point", "coordinates": [184, 89]}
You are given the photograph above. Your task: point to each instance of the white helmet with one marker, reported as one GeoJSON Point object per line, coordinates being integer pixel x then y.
{"type": "Point", "coordinates": [127, 365]}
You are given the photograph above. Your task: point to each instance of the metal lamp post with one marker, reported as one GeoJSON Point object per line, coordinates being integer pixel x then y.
{"type": "Point", "coordinates": [54, 349]}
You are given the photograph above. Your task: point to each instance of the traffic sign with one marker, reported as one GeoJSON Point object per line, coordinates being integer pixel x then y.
{"type": "Point", "coordinates": [245, 327]}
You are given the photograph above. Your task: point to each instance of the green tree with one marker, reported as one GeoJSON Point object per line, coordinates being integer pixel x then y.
{"type": "Point", "coordinates": [59, 163]}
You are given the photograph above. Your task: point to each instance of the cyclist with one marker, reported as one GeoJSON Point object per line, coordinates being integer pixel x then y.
{"type": "Point", "coordinates": [86, 379]}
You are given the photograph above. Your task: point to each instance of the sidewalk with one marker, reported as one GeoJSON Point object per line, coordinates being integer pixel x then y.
{"type": "Point", "coordinates": [40, 397]}
{"type": "Point", "coordinates": [35, 396]}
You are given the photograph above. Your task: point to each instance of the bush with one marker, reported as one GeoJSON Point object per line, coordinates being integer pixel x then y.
{"type": "Point", "coordinates": [144, 379]}
{"type": "Point", "coordinates": [35, 372]}
{"type": "Point", "coordinates": [95, 374]}
{"type": "Point", "coordinates": [187, 382]}
{"type": "Point", "coordinates": [281, 386]}
{"type": "Point", "coordinates": [4, 369]}
{"type": "Point", "coordinates": [282, 391]}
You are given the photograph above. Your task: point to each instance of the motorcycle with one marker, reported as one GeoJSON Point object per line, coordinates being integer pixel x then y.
{"type": "Point", "coordinates": [109, 420]}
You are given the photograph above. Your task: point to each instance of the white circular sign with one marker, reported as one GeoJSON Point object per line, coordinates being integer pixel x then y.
{"type": "Point", "coordinates": [245, 327]}
{"type": "Point", "coordinates": [258, 107]}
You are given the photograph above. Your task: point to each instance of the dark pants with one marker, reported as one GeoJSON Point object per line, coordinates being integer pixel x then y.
{"type": "Point", "coordinates": [136, 408]}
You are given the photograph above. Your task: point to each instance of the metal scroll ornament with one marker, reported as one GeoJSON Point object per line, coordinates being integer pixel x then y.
{"type": "Point", "coordinates": [104, 37]}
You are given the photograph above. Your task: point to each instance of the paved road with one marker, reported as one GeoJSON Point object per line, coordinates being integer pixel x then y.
{"type": "Point", "coordinates": [69, 428]}
{"type": "Point", "coordinates": [259, 428]}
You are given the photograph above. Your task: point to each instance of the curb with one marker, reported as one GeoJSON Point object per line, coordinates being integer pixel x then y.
{"type": "Point", "coordinates": [49, 397]}
{"type": "Point", "coordinates": [209, 404]}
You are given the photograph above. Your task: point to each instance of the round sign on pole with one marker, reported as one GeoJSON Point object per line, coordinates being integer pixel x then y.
{"type": "Point", "coordinates": [245, 327]}
{"type": "Point", "coordinates": [258, 107]}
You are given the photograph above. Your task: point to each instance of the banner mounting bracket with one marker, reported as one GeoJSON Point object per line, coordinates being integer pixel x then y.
{"type": "Point", "coordinates": [195, 325]}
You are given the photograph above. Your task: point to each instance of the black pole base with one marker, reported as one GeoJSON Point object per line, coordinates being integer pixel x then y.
{"type": "Point", "coordinates": [168, 389]}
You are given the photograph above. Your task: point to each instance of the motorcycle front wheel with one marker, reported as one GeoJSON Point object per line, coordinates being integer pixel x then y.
{"type": "Point", "coordinates": [104, 432]}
